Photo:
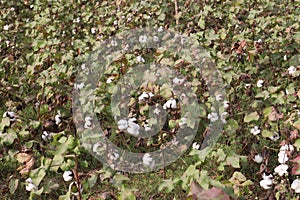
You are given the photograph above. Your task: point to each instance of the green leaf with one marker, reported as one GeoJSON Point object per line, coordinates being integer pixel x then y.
{"type": "Point", "coordinates": [9, 137]}
{"type": "Point", "coordinates": [254, 116]}
{"type": "Point", "coordinates": [267, 134]}
{"type": "Point", "coordinates": [297, 124]}
{"type": "Point", "coordinates": [37, 175]}
{"type": "Point", "coordinates": [166, 185]}
{"type": "Point", "coordinates": [297, 144]}
{"type": "Point", "coordinates": [92, 180]}
{"type": "Point", "coordinates": [204, 179]}
{"type": "Point", "coordinates": [4, 122]}
{"type": "Point", "coordinates": [56, 162]}
{"type": "Point", "coordinates": [65, 197]}
{"type": "Point", "coordinates": [231, 126]}
{"type": "Point", "coordinates": [267, 111]}
{"type": "Point", "coordinates": [13, 185]}
{"type": "Point", "coordinates": [233, 160]}
{"type": "Point", "coordinates": [201, 153]}
{"type": "Point", "coordinates": [247, 183]}
{"type": "Point", "coordinates": [70, 144]}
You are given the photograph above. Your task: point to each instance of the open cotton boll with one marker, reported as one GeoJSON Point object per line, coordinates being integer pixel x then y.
{"type": "Point", "coordinates": [68, 176]}
{"type": "Point", "coordinates": [171, 103]}
{"type": "Point", "coordinates": [255, 130]}
{"type": "Point", "coordinates": [88, 122]}
{"type": "Point", "coordinates": [282, 157]}
{"type": "Point", "coordinates": [275, 137]}
{"type": "Point", "coordinates": [292, 70]}
{"type": "Point", "coordinates": [258, 158]}
{"type": "Point", "coordinates": [46, 136]}
{"type": "Point", "coordinates": [182, 121]}
{"type": "Point", "coordinates": [226, 104]}
{"type": "Point", "coordinates": [267, 181]}
{"type": "Point", "coordinates": [281, 169]}
{"type": "Point", "coordinates": [266, 184]}
{"type": "Point", "coordinates": [122, 124]}
{"type": "Point", "coordinates": [10, 115]}
{"type": "Point", "coordinates": [145, 95]}
{"type": "Point", "coordinates": [296, 185]}
{"type": "Point", "coordinates": [148, 160]}
{"type": "Point", "coordinates": [58, 118]}
{"type": "Point", "coordinates": [178, 81]}
{"type": "Point", "coordinates": [219, 97]}
{"type": "Point", "coordinates": [133, 128]}
{"type": "Point", "coordinates": [195, 145]}
{"type": "Point", "coordinates": [287, 147]}
{"type": "Point", "coordinates": [29, 185]}
{"type": "Point", "coordinates": [95, 147]}
{"type": "Point", "coordinates": [140, 59]}
{"type": "Point", "coordinates": [147, 127]}
{"type": "Point", "coordinates": [213, 116]}
{"type": "Point", "coordinates": [260, 83]}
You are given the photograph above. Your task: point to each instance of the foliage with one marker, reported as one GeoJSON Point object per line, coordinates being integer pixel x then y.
{"type": "Point", "coordinates": [45, 43]}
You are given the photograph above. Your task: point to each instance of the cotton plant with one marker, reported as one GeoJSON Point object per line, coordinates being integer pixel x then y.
{"type": "Point", "coordinates": [281, 170]}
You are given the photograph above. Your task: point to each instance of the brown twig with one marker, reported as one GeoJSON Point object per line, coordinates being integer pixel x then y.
{"type": "Point", "coordinates": [176, 12]}
{"type": "Point", "coordinates": [77, 178]}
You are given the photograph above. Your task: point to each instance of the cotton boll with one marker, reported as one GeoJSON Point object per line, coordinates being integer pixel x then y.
{"type": "Point", "coordinates": [281, 169]}
{"type": "Point", "coordinates": [68, 176]}
{"type": "Point", "coordinates": [122, 124]}
{"type": "Point", "coordinates": [148, 160]}
{"type": "Point", "coordinates": [282, 157]}
{"type": "Point", "coordinates": [296, 185]}
{"type": "Point", "coordinates": [29, 185]}
{"type": "Point", "coordinates": [195, 145]}
{"type": "Point", "coordinates": [258, 158]}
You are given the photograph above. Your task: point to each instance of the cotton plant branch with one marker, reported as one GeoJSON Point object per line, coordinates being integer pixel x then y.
{"type": "Point", "coordinates": [176, 12]}
{"type": "Point", "coordinates": [76, 176]}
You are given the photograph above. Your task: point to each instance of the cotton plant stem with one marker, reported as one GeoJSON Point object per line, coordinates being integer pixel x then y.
{"type": "Point", "coordinates": [176, 12]}
{"type": "Point", "coordinates": [76, 176]}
